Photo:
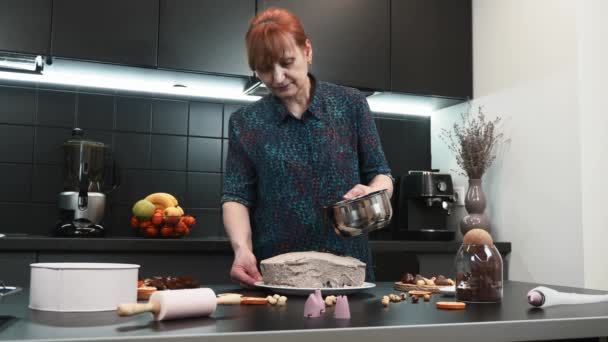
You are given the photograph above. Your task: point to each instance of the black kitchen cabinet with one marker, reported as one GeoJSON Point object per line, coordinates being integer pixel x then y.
{"type": "Point", "coordinates": [115, 31]}
{"type": "Point", "coordinates": [431, 47]}
{"type": "Point", "coordinates": [350, 39]}
{"type": "Point", "coordinates": [25, 26]}
{"type": "Point", "coordinates": [205, 35]}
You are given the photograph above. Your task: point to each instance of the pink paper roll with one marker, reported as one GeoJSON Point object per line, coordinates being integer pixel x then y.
{"type": "Point", "coordinates": [312, 307]}
{"type": "Point", "coordinates": [342, 310]}
{"type": "Point", "coordinates": [184, 303]}
{"type": "Point", "coordinates": [319, 297]}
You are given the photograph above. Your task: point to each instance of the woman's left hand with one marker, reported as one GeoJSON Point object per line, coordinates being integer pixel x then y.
{"type": "Point", "coordinates": [358, 191]}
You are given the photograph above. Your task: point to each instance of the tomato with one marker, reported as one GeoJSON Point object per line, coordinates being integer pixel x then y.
{"type": "Point", "coordinates": [134, 222]}
{"type": "Point", "coordinates": [151, 232]}
{"type": "Point", "coordinates": [181, 229]}
{"type": "Point", "coordinates": [145, 224]}
{"type": "Point", "coordinates": [166, 231]}
{"type": "Point", "coordinates": [187, 232]}
{"type": "Point", "coordinates": [189, 220]}
{"type": "Point", "coordinates": [157, 219]}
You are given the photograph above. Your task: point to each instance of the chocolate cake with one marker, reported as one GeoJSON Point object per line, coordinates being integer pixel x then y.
{"type": "Point", "coordinates": [312, 270]}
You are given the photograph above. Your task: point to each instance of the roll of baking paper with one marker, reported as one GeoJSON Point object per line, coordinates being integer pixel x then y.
{"type": "Point", "coordinates": [544, 297]}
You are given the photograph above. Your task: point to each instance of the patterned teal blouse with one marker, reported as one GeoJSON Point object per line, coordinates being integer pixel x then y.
{"type": "Point", "coordinates": [286, 169]}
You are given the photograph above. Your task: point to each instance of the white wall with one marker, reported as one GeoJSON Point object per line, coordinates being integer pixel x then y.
{"type": "Point", "coordinates": [525, 70]}
{"type": "Point", "coordinates": [593, 73]}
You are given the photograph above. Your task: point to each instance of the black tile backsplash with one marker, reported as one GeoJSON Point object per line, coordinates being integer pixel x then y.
{"type": "Point", "coordinates": [209, 224]}
{"type": "Point", "coordinates": [47, 183]}
{"type": "Point", "coordinates": [170, 117]}
{"type": "Point", "coordinates": [132, 150]}
{"type": "Point", "coordinates": [161, 145]}
{"type": "Point", "coordinates": [16, 143]}
{"type": "Point", "coordinates": [49, 140]}
{"type": "Point", "coordinates": [95, 111]}
{"type": "Point", "coordinates": [56, 108]}
{"type": "Point", "coordinates": [204, 190]}
{"type": "Point", "coordinates": [168, 152]}
{"type": "Point", "coordinates": [205, 119]}
{"type": "Point", "coordinates": [18, 105]}
{"type": "Point", "coordinates": [15, 182]}
{"type": "Point", "coordinates": [133, 114]}
{"type": "Point", "coordinates": [204, 154]}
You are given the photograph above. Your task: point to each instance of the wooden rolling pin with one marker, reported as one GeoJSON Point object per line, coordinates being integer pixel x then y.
{"type": "Point", "coordinates": [173, 304]}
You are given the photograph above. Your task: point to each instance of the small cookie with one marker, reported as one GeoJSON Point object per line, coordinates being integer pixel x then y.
{"type": "Point", "coordinates": [451, 305]}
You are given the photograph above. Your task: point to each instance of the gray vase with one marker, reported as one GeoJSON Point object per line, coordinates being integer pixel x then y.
{"type": "Point", "coordinates": [475, 203]}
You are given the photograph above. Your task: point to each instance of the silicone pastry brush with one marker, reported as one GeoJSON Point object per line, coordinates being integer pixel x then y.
{"type": "Point", "coordinates": [544, 297]}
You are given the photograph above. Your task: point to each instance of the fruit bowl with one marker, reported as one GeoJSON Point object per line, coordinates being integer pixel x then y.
{"type": "Point", "coordinates": [163, 226]}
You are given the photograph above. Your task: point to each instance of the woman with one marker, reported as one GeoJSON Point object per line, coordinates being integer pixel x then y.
{"type": "Point", "coordinates": [307, 145]}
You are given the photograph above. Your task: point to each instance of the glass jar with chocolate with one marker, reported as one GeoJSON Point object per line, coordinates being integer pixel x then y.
{"type": "Point", "coordinates": [479, 274]}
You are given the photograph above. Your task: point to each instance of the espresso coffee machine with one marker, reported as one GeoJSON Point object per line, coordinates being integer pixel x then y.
{"type": "Point", "coordinates": [82, 203]}
{"type": "Point", "coordinates": [425, 201]}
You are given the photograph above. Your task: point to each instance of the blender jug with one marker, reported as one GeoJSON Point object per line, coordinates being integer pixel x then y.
{"type": "Point", "coordinates": [82, 203]}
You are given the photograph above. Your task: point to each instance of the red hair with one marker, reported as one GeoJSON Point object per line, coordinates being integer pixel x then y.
{"type": "Point", "coordinates": [268, 37]}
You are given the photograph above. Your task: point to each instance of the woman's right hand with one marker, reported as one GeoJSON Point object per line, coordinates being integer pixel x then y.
{"type": "Point", "coordinates": [245, 269]}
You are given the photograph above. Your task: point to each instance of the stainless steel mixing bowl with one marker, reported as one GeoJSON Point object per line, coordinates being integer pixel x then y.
{"type": "Point", "coordinates": [360, 215]}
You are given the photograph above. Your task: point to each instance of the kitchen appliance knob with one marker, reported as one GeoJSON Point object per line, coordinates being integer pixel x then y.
{"type": "Point", "coordinates": [442, 186]}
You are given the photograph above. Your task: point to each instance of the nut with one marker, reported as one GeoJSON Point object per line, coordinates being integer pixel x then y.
{"type": "Point", "coordinates": [420, 282]}
{"type": "Point", "coordinates": [272, 300]}
{"type": "Point", "coordinates": [330, 300]}
{"type": "Point", "coordinates": [276, 296]}
{"type": "Point", "coordinates": [385, 301]}
{"type": "Point", "coordinates": [282, 300]}
{"type": "Point", "coordinates": [414, 299]}
{"type": "Point", "coordinates": [408, 278]}
{"type": "Point", "coordinates": [427, 297]}
{"type": "Point", "coordinates": [403, 295]}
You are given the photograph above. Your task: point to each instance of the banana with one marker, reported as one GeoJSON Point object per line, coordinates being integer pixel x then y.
{"type": "Point", "coordinates": [180, 210]}
{"type": "Point", "coordinates": [161, 200]}
{"type": "Point", "coordinates": [174, 200]}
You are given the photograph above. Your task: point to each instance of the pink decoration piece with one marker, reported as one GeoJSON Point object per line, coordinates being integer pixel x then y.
{"type": "Point", "coordinates": [320, 300]}
{"type": "Point", "coordinates": [342, 310]}
{"type": "Point", "coordinates": [312, 309]}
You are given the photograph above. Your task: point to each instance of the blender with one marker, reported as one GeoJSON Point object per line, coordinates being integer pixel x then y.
{"type": "Point", "coordinates": [82, 203]}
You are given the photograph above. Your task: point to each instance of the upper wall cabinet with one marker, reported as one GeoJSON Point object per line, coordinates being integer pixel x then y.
{"type": "Point", "coordinates": [116, 31]}
{"type": "Point", "coordinates": [431, 49]}
{"type": "Point", "coordinates": [25, 26]}
{"type": "Point", "coordinates": [205, 35]}
{"type": "Point", "coordinates": [350, 39]}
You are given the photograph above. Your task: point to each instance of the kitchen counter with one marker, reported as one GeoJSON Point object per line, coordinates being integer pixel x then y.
{"type": "Point", "coordinates": [132, 244]}
{"type": "Point", "coordinates": [513, 320]}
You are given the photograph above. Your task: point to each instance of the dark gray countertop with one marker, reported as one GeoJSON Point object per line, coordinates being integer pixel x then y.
{"type": "Point", "coordinates": [513, 320]}
{"type": "Point", "coordinates": [133, 244]}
